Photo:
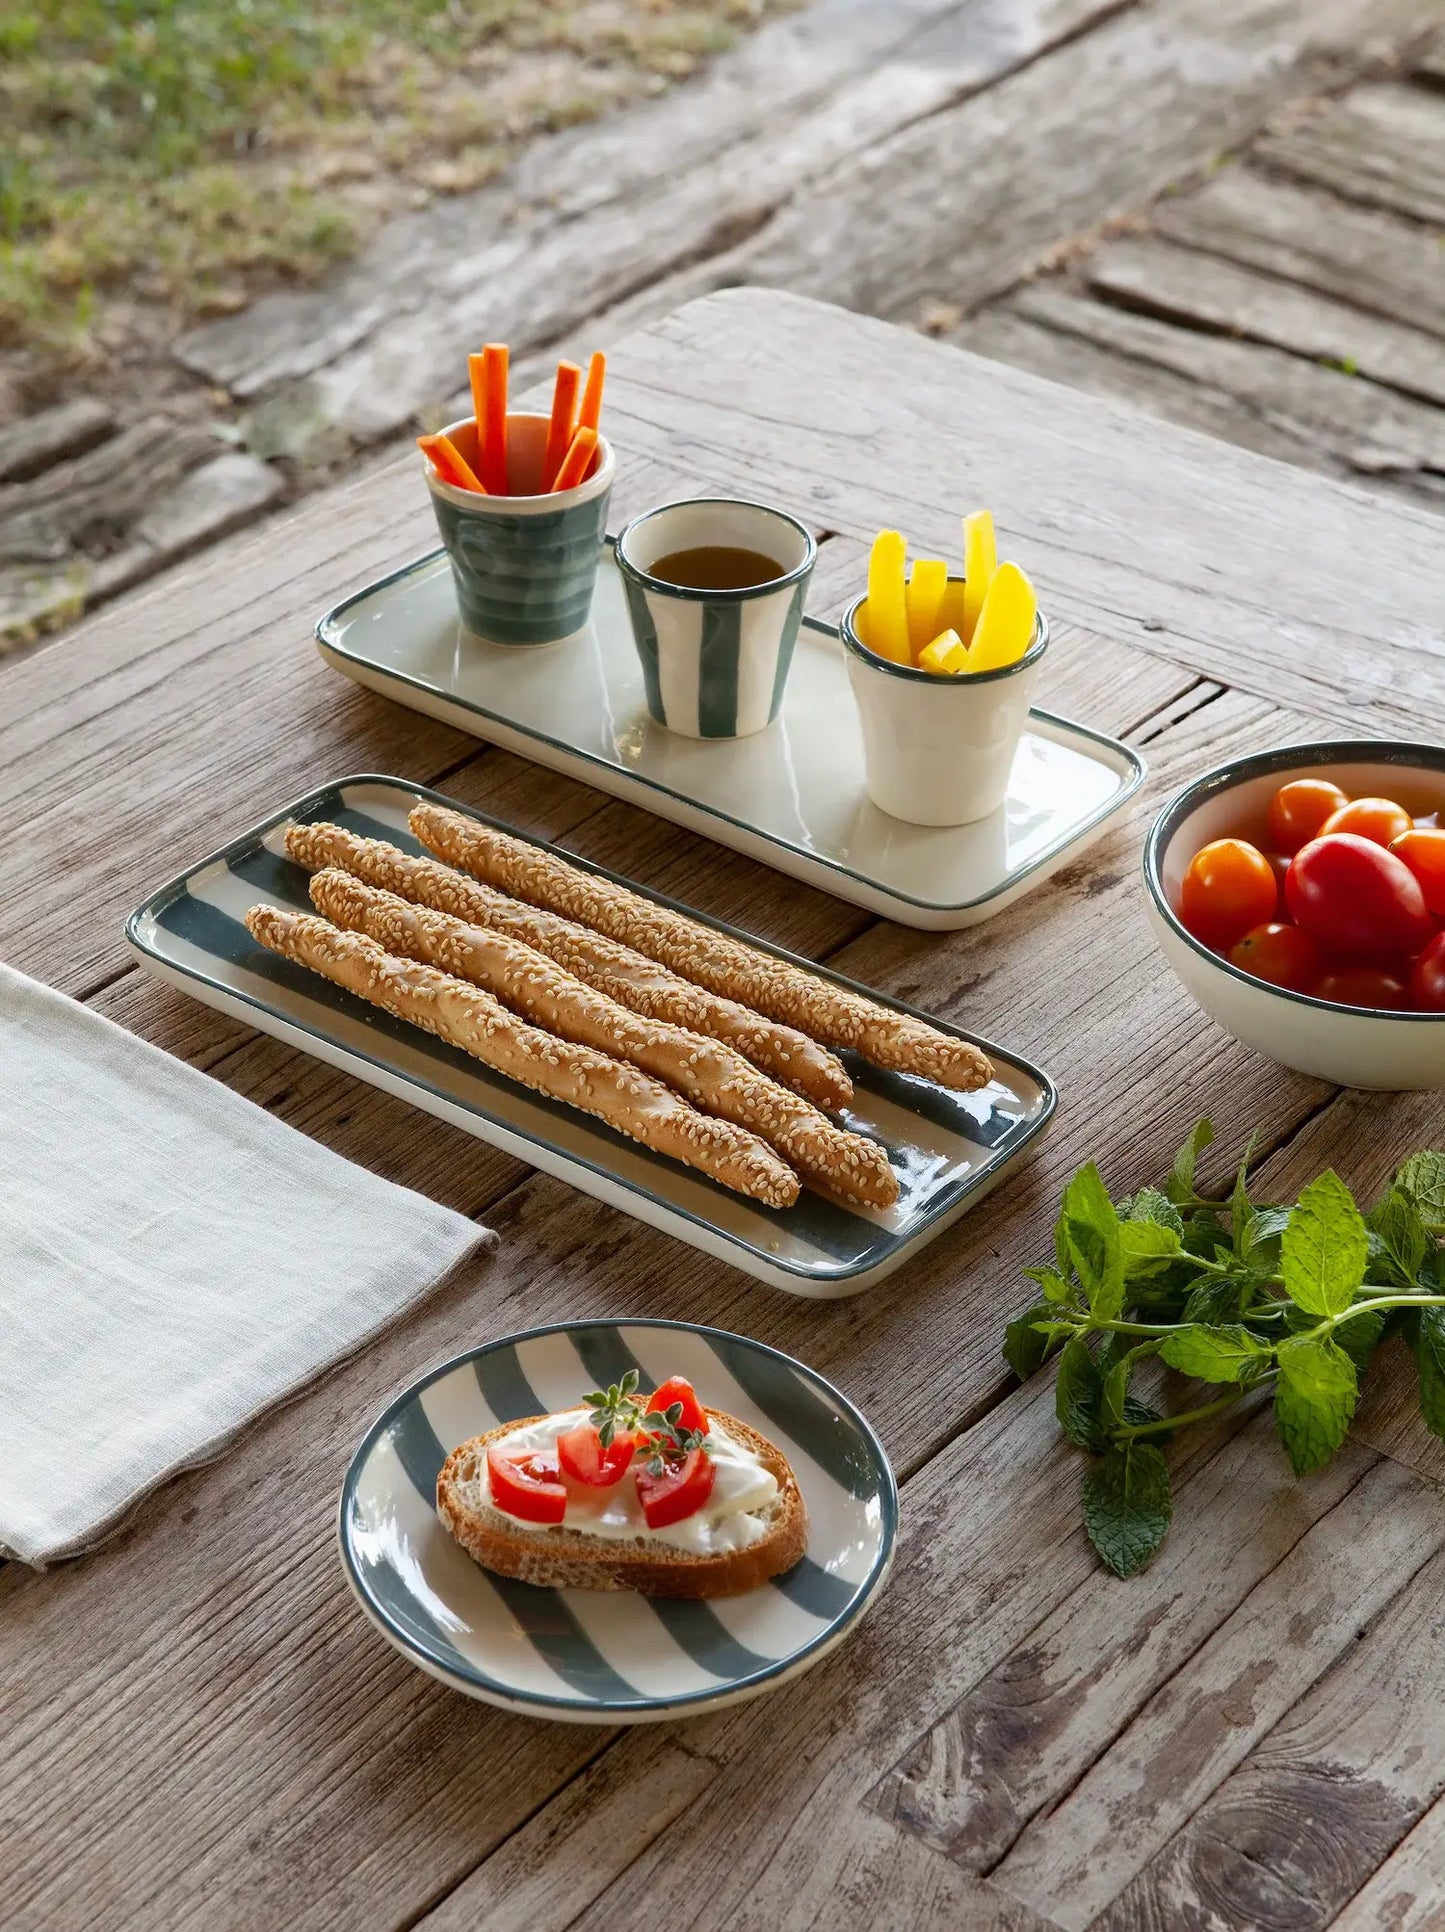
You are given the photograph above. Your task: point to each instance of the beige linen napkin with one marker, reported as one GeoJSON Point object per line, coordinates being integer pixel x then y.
{"type": "Point", "coordinates": [173, 1260]}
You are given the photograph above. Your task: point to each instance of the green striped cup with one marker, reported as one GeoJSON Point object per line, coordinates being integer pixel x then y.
{"type": "Point", "coordinates": [714, 662]}
{"type": "Point", "coordinates": [523, 565]}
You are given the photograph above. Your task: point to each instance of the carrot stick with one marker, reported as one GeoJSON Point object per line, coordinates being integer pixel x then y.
{"type": "Point", "coordinates": [559, 430]}
{"type": "Point", "coordinates": [449, 463]}
{"type": "Point", "coordinates": [476, 372]}
{"type": "Point", "coordinates": [492, 447]}
{"type": "Point", "coordinates": [577, 461]}
{"type": "Point", "coordinates": [590, 414]}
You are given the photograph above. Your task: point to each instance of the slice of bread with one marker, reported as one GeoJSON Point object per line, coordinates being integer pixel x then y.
{"type": "Point", "coordinates": [563, 1558]}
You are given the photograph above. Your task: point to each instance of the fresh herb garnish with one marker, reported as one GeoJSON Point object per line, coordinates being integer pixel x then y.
{"type": "Point", "coordinates": [1294, 1298]}
{"type": "Point", "coordinates": [615, 1407]}
{"type": "Point", "coordinates": [661, 1436]}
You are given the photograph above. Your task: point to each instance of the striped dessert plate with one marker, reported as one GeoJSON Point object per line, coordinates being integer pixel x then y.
{"type": "Point", "coordinates": [947, 1149]}
{"type": "Point", "coordinates": [605, 1657]}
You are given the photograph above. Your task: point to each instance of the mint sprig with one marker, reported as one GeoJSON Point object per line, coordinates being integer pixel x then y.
{"type": "Point", "coordinates": [1291, 1297]}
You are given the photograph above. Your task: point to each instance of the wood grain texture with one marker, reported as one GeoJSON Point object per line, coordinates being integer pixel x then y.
{"type": "Point", "coordinates": [1207, 292]}
{"type": "Point", "coordinates": [1382, 265]}
{"type": "Point", "coordinates": [1404, 1894]}
{"type": "Point", "coordinates": [1383, 146]}
{"type": "Point", "coordinates": [67, 429]}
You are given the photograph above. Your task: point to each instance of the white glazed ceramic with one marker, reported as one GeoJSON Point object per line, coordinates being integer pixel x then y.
{"type": "Point", "coordinates": [595, 1657]}
{"type": "Point", "coordinates": [939, 750]}
{"type": "Point", "coordinates": [791, 797]}
{"type": "Point", "coordinates": [1353, 1046]}
{"type": "Point", "coordinates": [947, 1149]}
{"type": "Point", "coordinates": [715, 662]}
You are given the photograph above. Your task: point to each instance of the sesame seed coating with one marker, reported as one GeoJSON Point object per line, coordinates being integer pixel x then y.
{"type": "Point", "coordinates": [771, 986]}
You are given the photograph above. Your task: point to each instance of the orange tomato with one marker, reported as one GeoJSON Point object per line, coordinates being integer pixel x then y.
{"type": "Point", "coordinates": [1298, 811]}
{"type": "Point", "coordinates": [1281, 954]}
{"type": "Point", "coordinates": [1423, 850]}
{"type": "Point", "coordinates": [1230, 887]}
{"type": "Point", "coordinates": [1380, 819]}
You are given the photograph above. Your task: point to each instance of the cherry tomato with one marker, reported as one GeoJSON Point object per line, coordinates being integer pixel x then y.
{"type": "Point", "coordinates": [1357, 901]}
{"type": "Point", "coordinates": [681, 1490]}
{"type": "Point", "coordinates": [678, 1389]}
{"type": "Point", "coordinates": [1228, 888]}
{"type": "Point", "coordinates": [586, 1465]}
{"type": "Point", "coordinates": [527, 1486]}
{"type": "Point", "coordinates": [1361, 986]}
{"type": "Point", "coordinates": [1380, 819]}
{"type": "Point", "coordinates": [1298, 811]}
{"type": "Point", "coordinates": [1283, 955]}
{"type": "Point", "coordinates": [1423, 850]}
{"type": "Point", "coordinates": [1427, 977]}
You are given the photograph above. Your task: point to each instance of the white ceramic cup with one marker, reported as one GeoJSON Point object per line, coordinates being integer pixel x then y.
{"type": "Point", "coordinates": [714, 662]}
{"type": "Point", "coordinates": [938, 749]}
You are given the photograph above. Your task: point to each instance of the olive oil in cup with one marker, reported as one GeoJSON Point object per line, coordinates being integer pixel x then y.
{"type": "Point", "coordinates": [715, 590]}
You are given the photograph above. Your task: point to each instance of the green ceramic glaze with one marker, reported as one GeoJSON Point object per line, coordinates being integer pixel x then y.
{"type": "Point", "coordinates": [524, 579]}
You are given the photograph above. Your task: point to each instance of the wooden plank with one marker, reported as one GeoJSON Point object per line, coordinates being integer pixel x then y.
{"type": "Point", "coordinates": [1382, 145]}
{"type": "Point", "coordinates": [1160, 1770]}
{"type": "Point", "coordinates": [1404, 1893]}
{"type": "Point", "coordinates": [1038, 158]}
{"type": "Point", "coordinates": [1192, 550]}
{"type": "Point", "coordinates": [1028, 1731]}
{"type": "Point", "coordinates": [1371, 430]}
{"type": "Point", "coordinates": [589, 217]}
{"type": "Point", "coordinates": [1206, 292]}
{"type": "Point", "coordinates": [607, 1821]}
{"type": "Point", "coordinates": [69, 429]}
{"type": "Point", "coordinates": [1383, 266]}
{"type": "Point", "coordinates": [91, 499]}
{"type": "Point", "coordinates": [1302, 1824]}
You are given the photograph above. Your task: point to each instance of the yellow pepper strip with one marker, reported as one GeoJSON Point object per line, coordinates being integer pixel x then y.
{"type": "Point", "coordinates": [950, 611]}
{"type": "Point", "coordinates": [946, 655]}
{"type": "Point", "coordinates": [980, 561]}
{"type": "Point", "coordinates": [1005, 626]}
{"type": "Point", "coordinates": [887, 606]}
{"type": "Point", "coordinates": [926, 585]}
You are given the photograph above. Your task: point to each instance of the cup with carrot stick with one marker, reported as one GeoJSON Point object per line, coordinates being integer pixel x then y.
{"type": "Point", "coordinates": [943, 668]}
{"type": "Point", "coordinates": [521, 502]}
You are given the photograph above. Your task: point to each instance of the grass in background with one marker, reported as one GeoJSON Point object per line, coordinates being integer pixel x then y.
{"type": "Point", "coordinates": [182, 155]}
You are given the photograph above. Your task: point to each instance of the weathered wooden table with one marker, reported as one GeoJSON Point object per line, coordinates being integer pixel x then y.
{"type": "Point", "coordinates": [199, 1729]}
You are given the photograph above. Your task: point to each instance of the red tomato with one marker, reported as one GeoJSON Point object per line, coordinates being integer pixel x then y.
{"type": "Point", "coordinates": [1361, 986]}
{"type": "Point", "coordinates": [1283, 955]}
{"type": "Point", "coordinates": [527, 1486]}
{"type": "Point", "coordinates": [1298, 811]}
{"type": "Point", "coordinates": [1228, 888]}
{"type": "Point", "coordinates": [1427, 977]}
{"type": "Point", "coordinates": [677, 1389]}
{"type": "Point", "coordinates": [1380, 819]}
{"type": "Point", "coordinates": [680, 1491]}
{"type": "Point", "coordinates": [1423, 850]}
{"type": "Point", "coordinates": [1357, 901]}
{"type": "Point", "coordinates": [586, 1465]}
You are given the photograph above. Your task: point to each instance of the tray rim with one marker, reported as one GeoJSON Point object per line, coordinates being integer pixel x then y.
{"type": "Point", "coordinates": [831, 1280]}
{"type": "Point", "coordinates": [535, 1703]}
{"type": "Point", "coordinates": [1132, 778]}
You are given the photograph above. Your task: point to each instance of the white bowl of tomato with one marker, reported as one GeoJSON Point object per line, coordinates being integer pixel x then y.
{"type": "Point", "coordinates": [1300, 896]}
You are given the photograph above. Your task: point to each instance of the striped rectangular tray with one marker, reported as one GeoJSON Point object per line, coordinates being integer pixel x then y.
{"type": "Point", "coordinates": [948, 1149]}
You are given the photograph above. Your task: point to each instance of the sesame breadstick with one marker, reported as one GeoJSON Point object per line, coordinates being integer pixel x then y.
{"type": "Point", "coordinates": [700, 953]}
{"type": "Point", "coordinates": [468, 1018]}
{"type": "Point", "coordinates": [714, 1078]}
{"type": "Point", "coordinates": [629, 978]}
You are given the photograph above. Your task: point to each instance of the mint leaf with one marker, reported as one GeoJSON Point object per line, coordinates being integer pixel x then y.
{"type": "Point", "coordinates": [1241, 1208]}
{"type": "Point", "coordinates": [1262, 1236]}
{"type": "Point", "coordinates": [1314, 1399]}
{"type": "Point", "coordinates": [1216, 1300]}
{"type": "Point", "coordinates": [1204, 1236]}
{"type": "Point", "coordinates": [1146, 1248]}
{"type": "Point", "coordinates": [1212, 1354]}
{"type": "Point", "coordinates": [1359, 1337]}
{"type": "Point", "coordinates": [1400, 1228]}
{"type": "Point", "coordinates": [1115, 1394]}
{"type": "Point", "coordinates": [1079, 1397]}
{"type": "Point", "coordinates": [1024, 1348]}
{"type": "Point", "coordinates": [1127, 1506]}
{"type": "Point", "coordinates": [1180, 1185]}
{"type": "Point", "coordinates": [1091, 1232]}
{"type": "Point", "coordinates": [1149, 1204]}
{"type": "Point", "coordinates": [1055, 1287]}
{"type": "Point", "coordinates": [1423, 1177]}
{"type": "Point", "coordinates": [1429, 1347]}
{"type": "Point", "coordinates": [1325, 1248]}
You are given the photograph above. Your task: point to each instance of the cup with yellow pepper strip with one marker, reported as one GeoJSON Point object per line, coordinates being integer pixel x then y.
{"type": "Point", "coordinates": [943, 669]}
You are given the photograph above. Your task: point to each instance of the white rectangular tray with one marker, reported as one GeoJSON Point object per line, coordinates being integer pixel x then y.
{"type": "Point", "coordinates": [948, 1149]}
{"type": "Point", "coordinates": [791, 796]}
